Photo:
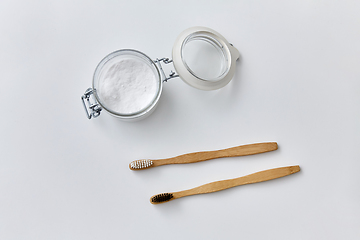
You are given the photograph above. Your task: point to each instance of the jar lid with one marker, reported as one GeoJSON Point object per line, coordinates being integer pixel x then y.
{"type": "Point", "coordinates": [204, 59]}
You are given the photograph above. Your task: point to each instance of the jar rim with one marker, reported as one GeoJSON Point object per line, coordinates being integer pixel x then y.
{"type": "Point", "coordinates": [133, 54]}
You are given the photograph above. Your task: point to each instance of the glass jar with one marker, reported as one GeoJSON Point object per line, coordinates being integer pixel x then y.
{"type": "Point", "coordinates": [128, 84]}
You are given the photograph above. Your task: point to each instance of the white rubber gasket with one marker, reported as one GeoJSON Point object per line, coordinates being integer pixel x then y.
{"type": "Point", "coordinates": [189, 77]}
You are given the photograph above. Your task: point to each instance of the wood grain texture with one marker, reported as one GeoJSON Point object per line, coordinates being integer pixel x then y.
{"type": "Point", "coordinates": [243, 150]}
{"type": "Point", "coordinates": [225, 184]}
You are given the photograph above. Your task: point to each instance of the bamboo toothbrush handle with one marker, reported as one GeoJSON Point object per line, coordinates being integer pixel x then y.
{"type": "Point", "coordinates": [252, 178]}
{"type": "Point", "coordinates": [203, 156]}
{"type": "Point", "coordinates": [229, 152]}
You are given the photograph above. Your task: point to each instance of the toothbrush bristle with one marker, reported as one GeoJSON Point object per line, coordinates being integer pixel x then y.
{"type": "Point", "coordinates": [162, 197]}
{"type": "Point", "coordinates": [141, 164]}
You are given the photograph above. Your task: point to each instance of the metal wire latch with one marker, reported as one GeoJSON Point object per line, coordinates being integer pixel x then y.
{"type": "Point", "coordinates": [92, 107]}
{"type": "Point", "coordinates": [166, 61]}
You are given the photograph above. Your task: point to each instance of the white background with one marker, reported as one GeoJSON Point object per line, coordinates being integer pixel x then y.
{"type": "Point", "coordinates": [63, 176]}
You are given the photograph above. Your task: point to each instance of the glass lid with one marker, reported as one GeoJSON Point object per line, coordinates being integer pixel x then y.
{"type": "Point", "coordinates": [204, 59]}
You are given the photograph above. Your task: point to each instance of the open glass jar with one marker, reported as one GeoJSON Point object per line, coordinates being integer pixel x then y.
{"type": "Point", "coordinates": [128, 84]}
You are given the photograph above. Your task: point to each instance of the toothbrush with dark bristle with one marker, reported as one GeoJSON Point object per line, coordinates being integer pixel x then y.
{"type": "Point", "coordinates": [243, 150]}
{"type": "Point", "coordinates": [225, 184]}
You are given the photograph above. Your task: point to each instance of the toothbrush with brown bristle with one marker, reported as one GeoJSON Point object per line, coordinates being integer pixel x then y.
{"type": "Point", "coordinates": [243, 150]}
{"type": "Point", "coordinates": [225, 184]}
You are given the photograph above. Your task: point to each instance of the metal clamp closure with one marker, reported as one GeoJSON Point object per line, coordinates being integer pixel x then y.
{"type": "Point", "coordinates": [92, 107]}
{"type": "Point", "coordinates": [166, 61]}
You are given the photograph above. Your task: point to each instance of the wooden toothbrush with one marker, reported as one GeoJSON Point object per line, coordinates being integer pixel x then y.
{"type": "Point", "coordinates": [225, 184]}
{"type": "Point", "coordinates": [207, 155]}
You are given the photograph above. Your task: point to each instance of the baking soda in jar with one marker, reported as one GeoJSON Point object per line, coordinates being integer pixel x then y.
{"type": "Point", "coordinates": [127, 86]}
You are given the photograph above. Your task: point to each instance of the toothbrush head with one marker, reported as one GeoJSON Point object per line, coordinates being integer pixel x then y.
{"type": "Point", "coordinates": [140, 164]}
{"type": "Point", "coordinates": [162, 197]}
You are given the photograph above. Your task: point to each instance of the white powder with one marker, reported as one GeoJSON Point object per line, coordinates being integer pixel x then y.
{"type": "Point", "coordinates": [128, 86]}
